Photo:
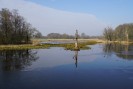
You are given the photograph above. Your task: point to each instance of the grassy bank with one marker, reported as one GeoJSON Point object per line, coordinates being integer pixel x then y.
{"type": "Point", "coordinates": [69, 46]}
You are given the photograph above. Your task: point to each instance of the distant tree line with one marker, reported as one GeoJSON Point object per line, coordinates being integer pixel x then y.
{"type": "Point", "coordinates": [59, 36]}
{"type": "Point", "coordinates": [120, 33]}
{"type": "Point", "coordinates": [67, 36]}
{"type": "Point", "coordinates": [14, 29]}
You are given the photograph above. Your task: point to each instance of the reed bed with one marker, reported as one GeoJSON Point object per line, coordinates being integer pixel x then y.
{"type": "Point", "coordinates": [67, 46]}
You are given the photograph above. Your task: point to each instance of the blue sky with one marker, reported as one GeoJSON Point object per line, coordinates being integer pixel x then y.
{"type": "Point", "coordinates": [113, 12]}
{"type": "Point", "coordinates": [65, 16]}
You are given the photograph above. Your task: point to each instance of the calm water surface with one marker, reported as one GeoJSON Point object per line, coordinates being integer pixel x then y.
{"type": "Point", "coordinates": [103, 67]}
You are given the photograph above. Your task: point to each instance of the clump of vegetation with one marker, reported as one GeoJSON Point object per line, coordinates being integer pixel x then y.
{"type": "Point", "coordinates": [20, 47]}
{"type": "Point", "coordinates": [70, 46]}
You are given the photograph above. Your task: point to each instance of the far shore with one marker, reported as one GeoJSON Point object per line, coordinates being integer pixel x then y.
{"type": "Point", "coordinates": [67, 40]}
{"type": "Point", "coordinates": [82, 40]}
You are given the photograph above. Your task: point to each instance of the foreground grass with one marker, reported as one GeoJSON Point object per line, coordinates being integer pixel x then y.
{"type": "Point", "coordinates": [69, 46]}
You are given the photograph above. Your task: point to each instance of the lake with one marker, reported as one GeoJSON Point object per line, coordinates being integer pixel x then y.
{"type": "Point", "coordinates": [104, 66]}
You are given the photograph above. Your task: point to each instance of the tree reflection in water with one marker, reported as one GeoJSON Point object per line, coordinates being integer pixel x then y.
{"type": "Point", "coordinates": [16, 59]}
{"type": "Point", "coordinates": [120, 50]}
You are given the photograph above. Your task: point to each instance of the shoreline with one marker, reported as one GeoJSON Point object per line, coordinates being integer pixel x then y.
{"type": "Point", "coordinates": [68, 44]}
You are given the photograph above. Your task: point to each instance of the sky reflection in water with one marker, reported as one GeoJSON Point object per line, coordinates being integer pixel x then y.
{"type": "Point", "coordinates": [103, 67]}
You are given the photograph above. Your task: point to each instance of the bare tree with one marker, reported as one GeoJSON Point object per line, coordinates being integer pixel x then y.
{"type": "Point", "coordinates": [13, 28]}
{"type": "Point", "coordinates": [108, 33]}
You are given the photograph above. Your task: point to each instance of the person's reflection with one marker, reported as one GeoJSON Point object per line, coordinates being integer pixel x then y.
{"type": "Point", "coordinates": [76, 58]}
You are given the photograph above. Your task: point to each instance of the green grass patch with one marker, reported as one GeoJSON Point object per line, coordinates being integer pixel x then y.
{"type": "Point", "coordinates": [70, 46]}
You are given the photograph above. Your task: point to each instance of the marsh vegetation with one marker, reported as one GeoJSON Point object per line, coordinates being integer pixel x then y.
{"type": "Point", "coordinates": [67, 46]}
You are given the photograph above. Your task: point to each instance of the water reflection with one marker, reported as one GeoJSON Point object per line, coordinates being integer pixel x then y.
{"type": "Point", "coordinates": [76, 58]}
{"type": "Point", "coordinates": [16, 59]}
{"type": "Point", "coordinates": [120, 50]}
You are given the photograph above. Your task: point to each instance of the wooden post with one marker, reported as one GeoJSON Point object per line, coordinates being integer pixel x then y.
{"type": "Point", "coordinates": [76, 37]}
